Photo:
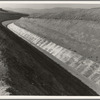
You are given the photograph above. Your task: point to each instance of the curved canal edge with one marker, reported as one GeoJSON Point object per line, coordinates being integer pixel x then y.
{"type": "Point", "coordinates": [69, 60]}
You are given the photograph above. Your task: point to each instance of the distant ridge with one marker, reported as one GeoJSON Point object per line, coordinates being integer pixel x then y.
{"type": "Point", "coordinates": [68, 14]}
{"type": "Point", "coordinates": [2, 10]}
{"type": "Point", "coordinates": [30, 11]}
{"type": "Point", "coordinates": [22, 10]}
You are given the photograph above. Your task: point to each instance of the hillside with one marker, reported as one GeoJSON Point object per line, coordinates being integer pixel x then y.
{"type": "Point", "coordinates": [61, 13]}
{"type": "Point", "coordinates": [21, 10]}
{"type": "Point", "coordinates": [75, 29]}
{"type": "Point", "coordinates": [7, 15]}
{"type": "Point", "coordinates": [69, 14]}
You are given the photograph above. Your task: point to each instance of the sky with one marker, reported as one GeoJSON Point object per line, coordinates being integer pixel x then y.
{"type": "Point", "coordinates": [43, 6]}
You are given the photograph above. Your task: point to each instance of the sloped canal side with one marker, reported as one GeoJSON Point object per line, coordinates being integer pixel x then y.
{"type": "Point", "coordinates": [31, 72]}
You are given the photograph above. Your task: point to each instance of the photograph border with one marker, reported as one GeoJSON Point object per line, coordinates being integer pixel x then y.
{"type": "Point", "coordinates": [51, 2]}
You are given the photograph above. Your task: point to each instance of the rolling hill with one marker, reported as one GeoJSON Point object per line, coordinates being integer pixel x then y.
{"type": "Point", "coordinates": [75, 29]}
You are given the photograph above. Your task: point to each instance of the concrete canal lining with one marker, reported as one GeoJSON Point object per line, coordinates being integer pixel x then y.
{"type": "Point", "coordinates": [58, 56]}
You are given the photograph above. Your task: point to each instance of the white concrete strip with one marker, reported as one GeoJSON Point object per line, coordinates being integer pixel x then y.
{"type": "Point", "coordinates": [51, 48]}
{"type": "Point", "coordinates": [43, 44]}
{"type": "Point", "coordinates": [40, 42]}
